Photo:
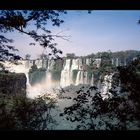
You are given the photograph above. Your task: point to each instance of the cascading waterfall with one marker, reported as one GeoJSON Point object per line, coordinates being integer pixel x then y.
{"type": "Point", "coordinates": [27, 77]}
{"type": "Point", "coordinates": [75, 72]}
{"type": "Point", "coordinates": [82, 74]}
{"type": "Point", "coordinates": [22, 67]}
{"type": "Point", "coordinates": [117, 62]}
{"type": "Point", "coordinates": [112, 61]}
{"type": "Point", "coordinates": [65, 78]}
{"type": "Point", "coordinates": [92, 80]}
{"type": "Point", "coordinates": [51, 64]}
{"type": "Point", "coordinates": [88, 61]}
{"type": "Point", "coordinates": [75, 64]}
{"type": "Point", "coordinates": [66, 74]}
{"type": "Point", "coordinates": [39, 63]}
{"type": "Point", "coordinates": [80, 78]}
{"type": "Point", "coordinates": [124, 62]}
{"type": "Point", "coordinates": [106, 85]}
{"type": "Point", "coordinates": [86, 81]}
{"type": "Point", "coordinates": [80, 64]}
{"type": "Point", "coordinates": [28, 64]}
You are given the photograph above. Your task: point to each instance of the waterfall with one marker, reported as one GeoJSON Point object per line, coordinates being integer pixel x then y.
{"type": "Point", "coordinates": [21, 67]}
{"type": "Point", "coordinates": [80, 77]}
{"type": "Point", "coordinates": [92, 80]}
{"type": "Point", "coordinates": [106, 86]}
{"type": "Point", "coordinates": [28, 64]}
{"type": "Point", "coordinates": [51, 64]}
{"type": "Point", "coordinates": [27, 77]}
{"type": "Point", "coordinates": [87, 80]}
{"type": "Point", "coordinates": [88, 61]}
{"type": "Point", "coordinates": [44, 63]}
{"type": "Point", "coordinates": [66, 74]}
{"type": "Point", "coordinates": [80, 64]}
{"type": "Point", "coordinates": [117, 62]}
{"type": "Point", "coordinates": [124, 62]}
{"type": "Point", "coordinates": [67, 66]}
{"type": "Point", "coordinates": [112, 60]}
{"type": "Point", "coordinates": [65, 78]}
{"type": "Point", "coordinates": [76, 68]}
{"type": "Point", "coordinates": [75, 64]}
{"type": "Point", "coordinates": [38, 63]}
{"type": "Point", "coordinates": [74, 71]}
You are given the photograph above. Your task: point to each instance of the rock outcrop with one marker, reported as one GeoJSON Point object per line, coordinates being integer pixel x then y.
{"type": "Point", "coordinates": [12, 84]}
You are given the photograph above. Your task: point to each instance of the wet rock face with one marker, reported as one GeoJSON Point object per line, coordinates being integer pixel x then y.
{"type": "Point", "coordinates": [37, 76]}
{"type": "Point", "coordinates": [12, 84]}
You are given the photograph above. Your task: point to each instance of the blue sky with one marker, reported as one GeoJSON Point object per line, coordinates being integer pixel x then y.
{"type": "Point", "coordinates": [101, 30]}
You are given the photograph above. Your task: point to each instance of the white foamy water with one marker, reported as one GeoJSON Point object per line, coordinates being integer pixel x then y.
{"type": "Point", "coordinates": [66, 77]}
{"type": "Point", "coordinates": [20, 67]}
{"type": "Point", "coordinates": [39, 90]}
{"type": "Point", "coordinates": [66, 74]}
{"type": "Point", "coordinates": [106, 86]}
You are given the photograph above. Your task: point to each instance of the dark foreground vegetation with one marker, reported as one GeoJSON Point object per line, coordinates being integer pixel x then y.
{"type": "Point", "coordinates": [118, 112]}
{"type": "Point", "coordinates": [20, 113]}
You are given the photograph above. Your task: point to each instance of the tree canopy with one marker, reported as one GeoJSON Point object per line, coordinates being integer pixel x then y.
{"type": "Point", "coordinates": [23, 21]}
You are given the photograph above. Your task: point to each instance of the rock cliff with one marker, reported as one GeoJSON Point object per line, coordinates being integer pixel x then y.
{"type": "Point", "coordinates": [12, 84]}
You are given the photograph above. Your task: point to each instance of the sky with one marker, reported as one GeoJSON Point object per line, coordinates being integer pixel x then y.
{"type": "Point", "coordinates": [102, 30]}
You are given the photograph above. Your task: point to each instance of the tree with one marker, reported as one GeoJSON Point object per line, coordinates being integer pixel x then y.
{"type": "Point", "coordinates": [43, 56]}
{"type": "Point", "coordinates": [27, 56]}
{"type": "Point", "coordinates": [23, 21]}
{"type": "Point", "coordinates": [32, 23]}
{"type": "Point", "coordinates": [23, 113]}
{"type": "Point", "coordinates": [20, 113]}
{"type": "Point", "coordinates": [5, 48]}
{"type": "Point", "coordinates": [117, 112]}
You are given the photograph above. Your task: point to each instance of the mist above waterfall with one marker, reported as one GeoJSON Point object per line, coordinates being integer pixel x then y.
{"type": "Point", "coordinates": [44, 75]}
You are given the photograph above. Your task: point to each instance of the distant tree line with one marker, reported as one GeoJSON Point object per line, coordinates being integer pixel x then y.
{"type": "Point", "coordinates": [118, 54]}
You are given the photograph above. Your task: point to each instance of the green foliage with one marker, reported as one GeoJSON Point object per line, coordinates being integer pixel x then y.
{"type": "Point", "coordinates": [20, 113]}
{"type": "Point", "coordinates": [132, 81]}
{"type": "Point", "coordinates": [118, 112]}
{"type": "Point", "coordinates": [33, 68]}
{"type": "Point", "coordinates": [5, 73]}
{"type": "Point", "coordinates": [27, 56]}
{"type": "Point", "coordinates": [106, 68]}
{"type": "Point", "coordinates": [33, 20]}
{"type": "Point", "coordinates": [129, 54]}
{"type": "Point", "coordinates": [91, 55]}
{"type": "Point", "coordinates": [91, 112]}
{"type": "Point", "coordinates": [2, 67]}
